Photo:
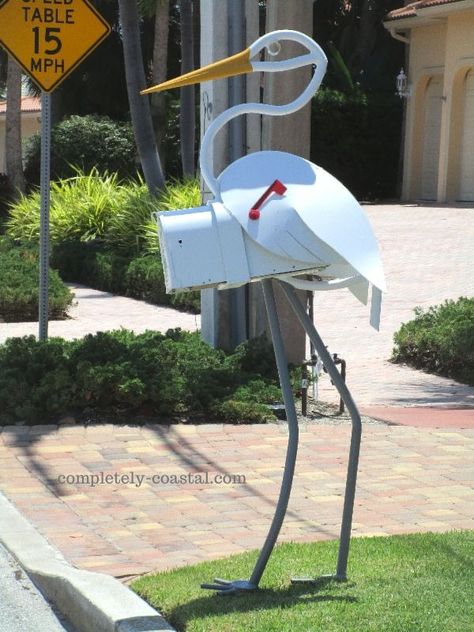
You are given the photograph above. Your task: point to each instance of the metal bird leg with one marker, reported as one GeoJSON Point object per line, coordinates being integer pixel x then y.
{"type": "Point", "coordinates": [344, 542]}
{"type": "Point", "coordinates": [223, 586]}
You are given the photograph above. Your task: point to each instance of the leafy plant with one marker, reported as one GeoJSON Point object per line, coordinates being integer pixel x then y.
{"type": "Point", "coordinates": [19, 292]}
{"type": "Point", "coordinates": [131, 228]}
{"type": "Point", "coordinates": [440, 340]}
{"type": "Point", "coordinates": [81, 209]}
{"type": "Point", "coordinates": [104, 234]}
{"type": "Point", "coordinates": [144, 280]}
{"type": "Point", "coordinates": [180, 194]}
{"type": "Point", "coordinates": [85, 143]}
{"type": "Point", "coordinates": [6, 195]}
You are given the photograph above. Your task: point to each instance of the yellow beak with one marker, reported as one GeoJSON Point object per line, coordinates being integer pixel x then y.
{"type": "Point", "coordinates": [238, 64]}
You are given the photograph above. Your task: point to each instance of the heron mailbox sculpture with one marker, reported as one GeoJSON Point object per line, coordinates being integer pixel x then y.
{"type": "Point", "coordinates": [275, 216]}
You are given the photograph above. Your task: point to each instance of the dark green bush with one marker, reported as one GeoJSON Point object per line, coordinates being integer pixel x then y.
{"type": "Point", "coordinates": [356, 137]}
{"type": "Point", "coordinates": [141, 278]}
{"type": "Point", "coordinates": [19, 292]}
{"type": "Point", "coordinates": [89, 264]}
{"type": "Point", "coordinates": [121, 372]}
{"type": "Point", "coordinates": [186, 301]}
{"type": "Point", "coordinates": [85, 142]}
{"type": "Point", "coordinates": [144, 280]}
{"type": "Point", "coordinates": [440, 340]}
{"type": "Point", "coordinates": [75, 260]}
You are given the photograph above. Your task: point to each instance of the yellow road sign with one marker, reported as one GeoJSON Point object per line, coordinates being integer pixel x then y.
{"type": "Point", "coordinates": [50, 38]}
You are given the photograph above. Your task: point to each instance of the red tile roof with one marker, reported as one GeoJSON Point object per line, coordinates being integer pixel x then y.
{"type": "Point", "coordinates": [28, 104]}
{"type": "Point", "coordinates": [410, 10]}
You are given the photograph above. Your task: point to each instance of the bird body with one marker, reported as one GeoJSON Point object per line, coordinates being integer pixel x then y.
{"type": "Point", "coordinates": [316, 221]}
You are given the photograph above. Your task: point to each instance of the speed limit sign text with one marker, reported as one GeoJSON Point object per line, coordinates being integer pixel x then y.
{"type": "Point", "coordinates": [50, 38]}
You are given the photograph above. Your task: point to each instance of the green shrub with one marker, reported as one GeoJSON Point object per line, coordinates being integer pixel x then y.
{"type": "Point", "coordinates": [104, 235]}
{"type": "Point", "coordinates": [356, 137]}
{"type": "Point", "coordinates": [19, 292]}
{"type": "Point", "coordinates": [85, 143]}
{"type": "Point", "coordinates": [81, 209]}
{"type": "Point", "coordinates": [120, 371]}
{"type": "Point", "coordinates": [440, 340]}
{"type": "Point", "coordinates": [75, 260]}
{"type": "Point", "coordinates": [144, 280]}
{"type": "Point", "coordinates": [99, 206]}
{"type": "Point", "coordinates": [186, 301]}
{"type": "Point", "coordinates": [131, 229]}
{"type": "Point", "coordinates": [180, 194]}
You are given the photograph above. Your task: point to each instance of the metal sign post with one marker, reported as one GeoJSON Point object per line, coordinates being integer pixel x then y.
{"type": "Point", "coordinates": [49, 42]}
{"type": "Point", "coordinates": [44, 214]}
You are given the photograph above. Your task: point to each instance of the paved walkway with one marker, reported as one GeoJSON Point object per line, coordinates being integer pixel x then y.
{"type": "Point", "coordinates": [100, 311]}
{"type": "Point", "coordinates": [411, 479]}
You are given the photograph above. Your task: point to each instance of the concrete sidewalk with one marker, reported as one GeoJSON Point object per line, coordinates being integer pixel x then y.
{"type": "Point", "coordinates": [100, 311]}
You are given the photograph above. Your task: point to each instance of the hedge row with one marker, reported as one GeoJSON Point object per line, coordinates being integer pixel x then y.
{"type": "Point", "coordinates": [440, 340]}
{"type": "Point", "coordinates": [122, 373]}
{"type": "Point", "coordinates": [141, 278]}
{"type": "Point", "coordinates": [356, 137]}
{"type": "Point", "coordinates": [19, 291]}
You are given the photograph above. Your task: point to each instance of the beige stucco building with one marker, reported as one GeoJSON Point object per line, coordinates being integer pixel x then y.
{"type": "Point", "coordinates": [30, 122]}
{"type": "Point", "coordinates": [439, 127]}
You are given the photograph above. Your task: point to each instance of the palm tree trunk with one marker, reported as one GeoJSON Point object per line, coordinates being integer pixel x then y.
{"type": "Point", "coordinates": [13, 156]}
{"type": "Point", "coordinates": [160, 67]}
{"type": "Point", "coordinates": [139, 106]}
{"type": "Point", "coordinates": [187, 117]}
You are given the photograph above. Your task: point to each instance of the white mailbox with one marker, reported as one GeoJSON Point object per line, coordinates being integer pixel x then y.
{"type": "Point", "coordinates": [278, 215]}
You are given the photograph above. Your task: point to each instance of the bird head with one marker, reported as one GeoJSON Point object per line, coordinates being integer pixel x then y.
{"type": "Point", "coordinates": [248, 61]}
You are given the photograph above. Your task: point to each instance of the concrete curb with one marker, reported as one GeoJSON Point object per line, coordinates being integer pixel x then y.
{"type": "Point", "coordinates": [92, 602]}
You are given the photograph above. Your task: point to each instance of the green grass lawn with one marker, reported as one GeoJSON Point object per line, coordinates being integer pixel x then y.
{"type": "Point", "coordinates": [412, 583]}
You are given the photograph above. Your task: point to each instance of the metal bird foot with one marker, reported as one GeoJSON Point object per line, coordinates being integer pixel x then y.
{"type": "Point", "coordinates": [225, 587]}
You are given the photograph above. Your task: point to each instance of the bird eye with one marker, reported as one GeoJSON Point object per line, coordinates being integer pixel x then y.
{"type": "Point", "coordinates": [274, 48]}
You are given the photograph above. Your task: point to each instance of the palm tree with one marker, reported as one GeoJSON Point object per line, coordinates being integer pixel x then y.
{"type": "Point", "coordinates": [160, 67]}
{"type": "Point", "coordinates": [139, 106]}
{"type": "Point", "coordinates": [187, 116]}
{"type": "Point", "coordinates": [13, 156]}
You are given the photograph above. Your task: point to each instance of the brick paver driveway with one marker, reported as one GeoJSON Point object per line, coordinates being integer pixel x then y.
{"type": "Point", "coordinates": [428, 257]}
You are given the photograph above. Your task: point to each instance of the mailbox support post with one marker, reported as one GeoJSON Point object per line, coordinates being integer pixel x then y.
{"type": "Point", "coordinates": [346, 525]}
{"type": "Point", "coordinates": [293, 431]}
{"type": "Point", "coordinates": [229, 587]}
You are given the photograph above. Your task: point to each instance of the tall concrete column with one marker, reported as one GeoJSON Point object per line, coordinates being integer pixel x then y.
{"type": "Point", "coordinates": [220, 308]}
{"type": "Point", "coordinates": [290, 133]}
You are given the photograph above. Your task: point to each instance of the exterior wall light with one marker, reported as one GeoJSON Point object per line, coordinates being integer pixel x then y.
{"type": "Point", "coordinates": [403, 89]}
